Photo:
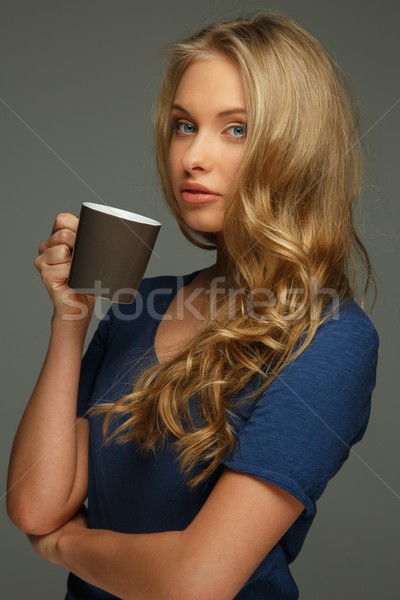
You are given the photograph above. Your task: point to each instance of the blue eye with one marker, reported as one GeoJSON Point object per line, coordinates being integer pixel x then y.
{"type": "Point", "coordinates": [238, 130]}
{"type": "Point", "coordinates": [182, 127]}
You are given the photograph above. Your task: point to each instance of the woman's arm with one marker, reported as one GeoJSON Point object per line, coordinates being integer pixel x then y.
{"type": "Point", "coordinates": [241, 521]}
{"type": "Point", "coordinates": [47, 479]}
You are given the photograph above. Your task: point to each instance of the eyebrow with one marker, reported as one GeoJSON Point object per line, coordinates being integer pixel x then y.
{"type": "Point", "coordinates": [224, 113]}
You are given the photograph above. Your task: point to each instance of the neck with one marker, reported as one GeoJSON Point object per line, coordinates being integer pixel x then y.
{"type": "Point", "coordinates": [220, 267]}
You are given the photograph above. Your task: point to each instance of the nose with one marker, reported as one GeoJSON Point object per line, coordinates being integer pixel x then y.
{"type": "Point", "coordinates": [198, 154]}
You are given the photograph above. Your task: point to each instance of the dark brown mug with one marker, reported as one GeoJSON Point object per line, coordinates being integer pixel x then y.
{"type": "Point", "coordinates": [111, 253]}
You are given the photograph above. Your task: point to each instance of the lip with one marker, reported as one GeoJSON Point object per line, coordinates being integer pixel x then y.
{"type": "Point", "coordinates": [189, 186]}
{"type": "Point", "coordinates": [194, 193]}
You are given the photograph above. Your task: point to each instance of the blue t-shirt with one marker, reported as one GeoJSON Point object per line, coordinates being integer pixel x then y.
{"type": "Point", "coordinates": [296, 436]}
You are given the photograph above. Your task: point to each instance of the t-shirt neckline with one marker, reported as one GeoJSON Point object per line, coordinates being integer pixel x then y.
{"type": "Point", "coordinates": [181, 282]}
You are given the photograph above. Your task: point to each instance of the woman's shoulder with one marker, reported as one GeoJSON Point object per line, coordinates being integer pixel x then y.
{"type": "Point", "coordinates": [349, 323]}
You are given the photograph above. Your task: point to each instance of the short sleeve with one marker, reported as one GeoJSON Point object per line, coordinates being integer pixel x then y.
{"type": "Point", "coordinates": [301, 429]}
{"type": "Point", "coordinates": [91, 364]}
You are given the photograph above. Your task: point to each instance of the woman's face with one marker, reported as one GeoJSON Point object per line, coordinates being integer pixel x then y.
{"type": "Point", "coordinates": [208, 122]}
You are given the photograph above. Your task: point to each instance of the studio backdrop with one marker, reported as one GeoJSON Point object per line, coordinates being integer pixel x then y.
{"type": "Point", "coordinates": [77, 89]}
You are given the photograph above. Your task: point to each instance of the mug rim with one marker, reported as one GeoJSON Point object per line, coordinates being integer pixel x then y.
{"type": "Point", "coordinates": [121, 213]}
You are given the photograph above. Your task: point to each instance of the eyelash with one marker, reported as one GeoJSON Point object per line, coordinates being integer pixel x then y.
{"type": "Point", "coordinates": [177, 124]}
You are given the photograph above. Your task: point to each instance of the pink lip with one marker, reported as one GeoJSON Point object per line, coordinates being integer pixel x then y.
{"type": "Point", "coordinates": [189, 186]}
{"type": "Point", "coordinates": [194, 193]}
{"type": "Point", "coordinates": [198, 197]}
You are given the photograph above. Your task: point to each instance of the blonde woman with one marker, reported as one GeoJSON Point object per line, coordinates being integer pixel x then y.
{"type": "Point", "coordinates": [213, 412]}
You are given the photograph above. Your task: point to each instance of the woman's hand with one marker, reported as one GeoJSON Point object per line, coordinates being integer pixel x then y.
{"type": "Point", "coordinates": [54, 264]}
{"type": "Point", "coordinates": [46, 545]}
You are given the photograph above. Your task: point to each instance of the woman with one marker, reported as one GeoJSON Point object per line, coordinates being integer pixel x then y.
{"type": "Point", "coordinates": [215, 418]}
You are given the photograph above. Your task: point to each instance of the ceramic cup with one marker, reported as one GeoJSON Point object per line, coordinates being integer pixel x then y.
{"type": "Point", "coordinates": [111, 253]}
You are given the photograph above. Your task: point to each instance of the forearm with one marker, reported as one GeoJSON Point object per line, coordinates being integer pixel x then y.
{"type": "Point", "coordinates": [130, 566]}
{"type": "Point", "coordinates": [43, 461]}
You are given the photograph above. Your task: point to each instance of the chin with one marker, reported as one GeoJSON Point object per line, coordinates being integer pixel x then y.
{"type": "Point", "coordinates": [204, 227]}
{"type": "Point", "coordinates": [204, 223]}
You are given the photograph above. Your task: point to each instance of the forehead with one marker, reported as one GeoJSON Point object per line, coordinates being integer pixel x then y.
{"type": "Point", "coordinates": [210, 81]}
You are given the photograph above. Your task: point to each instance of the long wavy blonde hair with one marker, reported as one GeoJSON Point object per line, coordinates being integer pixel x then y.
{"type": "Point", "coordinates": [288, 229]}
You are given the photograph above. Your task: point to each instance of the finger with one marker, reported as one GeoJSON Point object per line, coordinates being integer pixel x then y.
{"type": "Point", "coordinates": [54, 275]}
{"type": "Point", "coordinates": [65, 221]}
{"type": "Point", "coordinates": [60, 254]}
{"type": "Point", "coordinates": [62, 236]}
{"type": "Point", "coordinates": [57, 254]}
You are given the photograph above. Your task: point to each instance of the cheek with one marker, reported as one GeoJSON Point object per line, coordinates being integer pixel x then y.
{"type": "Point", "coordinates": [169, 160]}
{"type": "Point", "coordinates": [173, 161]}
{"type": "Point", "coordinates": [231, 166]}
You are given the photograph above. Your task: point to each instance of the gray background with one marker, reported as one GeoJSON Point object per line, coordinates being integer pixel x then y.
{"type": "Point", "coordinates": [78, 82]}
